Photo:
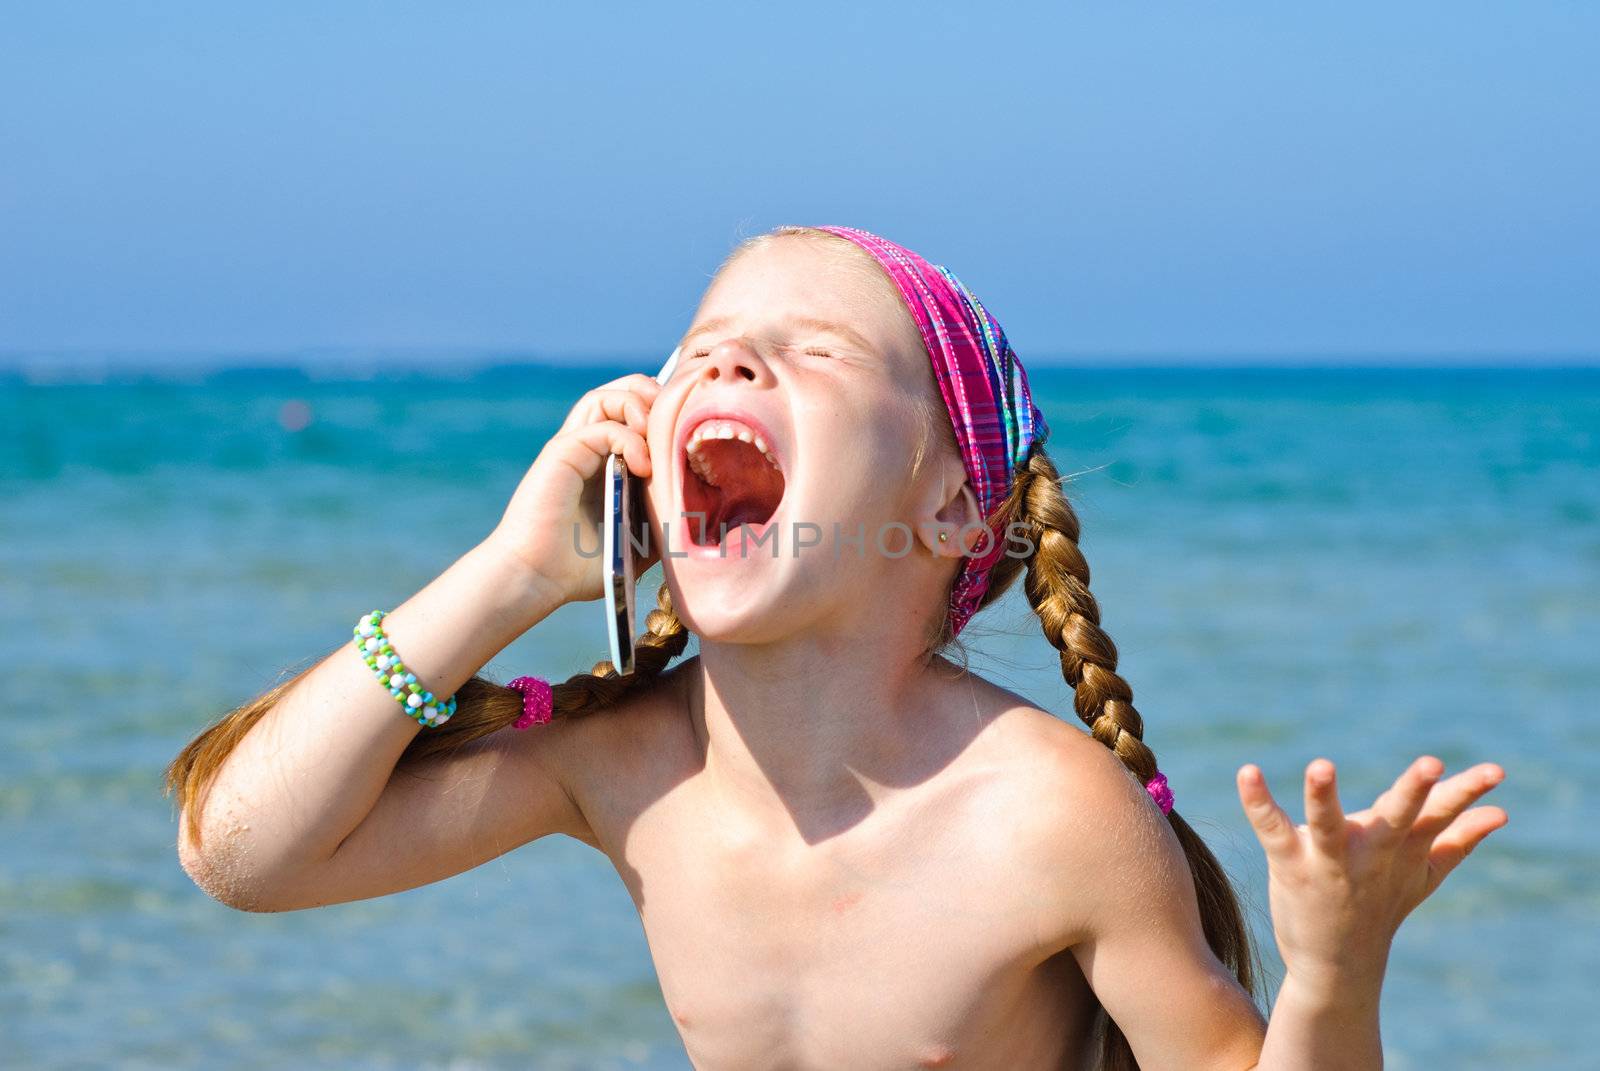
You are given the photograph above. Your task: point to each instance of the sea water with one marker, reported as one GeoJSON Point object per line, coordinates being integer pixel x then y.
{"type": "Point", "coordinates": [1362, 563]}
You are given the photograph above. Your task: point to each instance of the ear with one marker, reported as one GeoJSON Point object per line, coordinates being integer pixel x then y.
{"type": "Point", "coordinates": [949, 508]}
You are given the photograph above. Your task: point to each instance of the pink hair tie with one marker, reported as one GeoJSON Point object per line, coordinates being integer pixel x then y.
{"type": "Point", "coordinates": [1157, 787]}
{"type": "Point", "coordinates": [537, 701]}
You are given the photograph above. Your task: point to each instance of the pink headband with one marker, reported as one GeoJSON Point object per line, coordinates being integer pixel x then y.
{"type": "Point", "coordinates": [991, 408]}
{"type": "Point", "coordinates": [984, 388]}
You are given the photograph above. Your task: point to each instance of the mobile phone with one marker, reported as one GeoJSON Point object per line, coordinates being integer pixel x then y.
{"type": "Point", "coordinates": [623, 511]}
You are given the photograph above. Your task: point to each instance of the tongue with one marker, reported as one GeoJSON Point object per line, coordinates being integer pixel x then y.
{"type": "Point", "coordinates": [738, 506]}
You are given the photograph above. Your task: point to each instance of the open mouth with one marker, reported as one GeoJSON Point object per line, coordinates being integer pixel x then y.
{"type": "Point", "coordinates": [730, 477]}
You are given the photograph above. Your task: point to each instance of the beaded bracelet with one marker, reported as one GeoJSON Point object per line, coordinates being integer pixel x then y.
{"type": "Point", "coordinates": [380, 657]}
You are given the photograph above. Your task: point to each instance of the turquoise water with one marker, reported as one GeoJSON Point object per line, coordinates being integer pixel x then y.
{"type": "Point", "coordinates": [1366, 564]}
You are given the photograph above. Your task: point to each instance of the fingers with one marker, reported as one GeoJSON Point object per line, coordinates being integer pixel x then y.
{"type": "Point", "coordinates": [624, 406]}
{"type": "Point", "coordinates": [627, 400]}
{"type": "Point", "coordinates": [1458, 840]}
{"type": "Point", "coordinates": [1453, 795]}
{"type": "Point", "coordinates": [634, 381]}
{"type": "Point", "coordinates": [1400, 804]}
{"type": "Point", "coordinates": [1324, 816]}
{"type": "Point", "coordinates": [1273, 826]}
{"type": "Point", "coordinates": [608, 437]}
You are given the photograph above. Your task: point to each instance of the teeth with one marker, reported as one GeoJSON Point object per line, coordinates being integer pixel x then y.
{"type": "Point", "coordinates": [723, 429]}
{"type": "Point", "coordinates": [702, 468]}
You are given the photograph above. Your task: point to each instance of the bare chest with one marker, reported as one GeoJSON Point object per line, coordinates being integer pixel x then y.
{"type": "Point", "coordinates": [891, 946]}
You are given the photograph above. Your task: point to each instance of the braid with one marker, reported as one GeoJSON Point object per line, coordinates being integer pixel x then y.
{"type": "Point", "coordinates": [1057, 587]}
{"type": "Point", "coordinates": [663, 639]}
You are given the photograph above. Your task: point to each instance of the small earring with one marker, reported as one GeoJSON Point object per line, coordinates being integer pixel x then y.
{"type": "Point", "coordinates": [943, 536]}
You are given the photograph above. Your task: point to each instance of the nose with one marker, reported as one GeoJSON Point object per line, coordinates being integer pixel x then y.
{"type": "Point", "coordinates": [735, 359]}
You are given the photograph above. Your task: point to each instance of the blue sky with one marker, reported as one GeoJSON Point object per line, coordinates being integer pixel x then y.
{"type": "Point", "coordinates": [1112, 180]}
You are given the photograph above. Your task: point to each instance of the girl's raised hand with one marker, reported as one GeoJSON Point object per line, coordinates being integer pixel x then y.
{"type": "Point", "coordinates": [552, 524]}
{"type": "Point", "coordinates": [1340, 885]}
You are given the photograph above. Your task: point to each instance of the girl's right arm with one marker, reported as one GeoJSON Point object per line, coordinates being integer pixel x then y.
{"type": "Point", "coordinates": [309, 806]}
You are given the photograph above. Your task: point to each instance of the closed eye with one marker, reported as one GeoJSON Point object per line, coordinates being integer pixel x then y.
{"type": "Point", "coordinates": [812, 351]}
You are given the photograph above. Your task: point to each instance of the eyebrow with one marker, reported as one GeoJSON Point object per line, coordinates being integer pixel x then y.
{"type": "Point", "coordinates": [807, 323]}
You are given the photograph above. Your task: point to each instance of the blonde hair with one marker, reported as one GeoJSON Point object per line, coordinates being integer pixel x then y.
{"type": "Point", "coordinates": [1057, 587]}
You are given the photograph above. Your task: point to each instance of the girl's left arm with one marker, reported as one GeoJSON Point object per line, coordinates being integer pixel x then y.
{"type": "Point", "coordinates": [1339, 888]}
{"type": "Point", "coordinates": [1115, 889]}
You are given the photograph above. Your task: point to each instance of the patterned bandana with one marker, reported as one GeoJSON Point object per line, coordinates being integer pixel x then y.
{"type": "Point", "coordinates": [984, 388]}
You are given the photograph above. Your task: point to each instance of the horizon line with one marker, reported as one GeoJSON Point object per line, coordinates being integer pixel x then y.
{"type": "Point", "coordinates": [134, 359]}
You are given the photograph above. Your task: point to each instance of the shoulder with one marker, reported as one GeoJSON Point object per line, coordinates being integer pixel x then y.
{"type": "Point", "coordinates": [1075, 779]}
{"type": "Point", "coordinates": [603, 756]}
{"type": "Point", "coordinates": [1091, 845]}
{"type": "Point", "coordinates": [1106, 881]}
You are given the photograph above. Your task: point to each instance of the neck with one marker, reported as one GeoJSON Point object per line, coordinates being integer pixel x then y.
{"type": "Point", "coordinates": [814, 731]}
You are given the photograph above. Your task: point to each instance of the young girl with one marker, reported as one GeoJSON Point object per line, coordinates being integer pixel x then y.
{"type": "Point", "coordinates": [846, 851]}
